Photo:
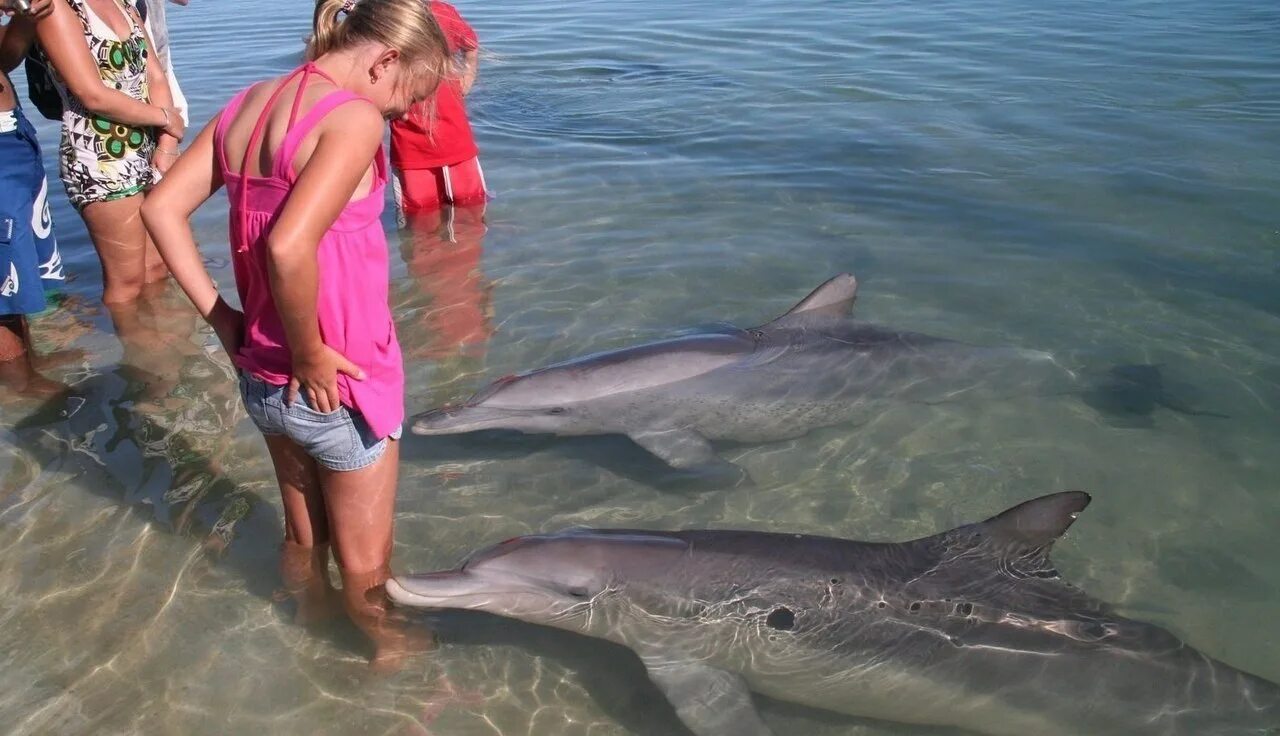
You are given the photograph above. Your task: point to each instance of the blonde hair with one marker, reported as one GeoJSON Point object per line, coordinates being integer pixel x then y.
{"type": "Point", "coordinates": [404, 25]}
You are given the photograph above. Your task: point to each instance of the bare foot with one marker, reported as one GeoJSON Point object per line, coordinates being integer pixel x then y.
{"type": "Point", "coordinates": [316, 607]}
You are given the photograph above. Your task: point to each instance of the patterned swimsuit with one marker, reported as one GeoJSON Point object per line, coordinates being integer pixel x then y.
{"type": "Point", "coordinates": [101, 160]}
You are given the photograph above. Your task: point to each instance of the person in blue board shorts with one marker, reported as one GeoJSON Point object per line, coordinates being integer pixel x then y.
{"type": "Point", "coordinates": [29, 258]}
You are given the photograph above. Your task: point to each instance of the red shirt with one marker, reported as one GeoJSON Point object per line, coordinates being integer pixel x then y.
{"type": "Point", "coordinates": [436, 132]}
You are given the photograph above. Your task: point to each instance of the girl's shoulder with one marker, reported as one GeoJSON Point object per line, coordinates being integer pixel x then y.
{"type": "Point", "coordinates": [350, 115]}
{"type": "Point", "coordinates": [256, 96]}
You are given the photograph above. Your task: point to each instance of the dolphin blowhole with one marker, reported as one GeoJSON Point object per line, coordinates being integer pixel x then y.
{"type": "Point", "coordinates": [781, 618]}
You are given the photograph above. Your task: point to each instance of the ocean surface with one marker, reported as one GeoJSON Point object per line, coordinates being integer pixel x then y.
{"type": "Point", "coordinates": [1099, 180]}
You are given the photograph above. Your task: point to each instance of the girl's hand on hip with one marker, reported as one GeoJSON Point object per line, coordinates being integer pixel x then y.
{"type": "Point", "coordinates": [316, 373]}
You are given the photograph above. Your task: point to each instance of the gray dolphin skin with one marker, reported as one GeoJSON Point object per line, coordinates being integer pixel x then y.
{"type": "Point", "coordinates": [971, 628]}
{"type": "Point", "coordinates": [815, 366]}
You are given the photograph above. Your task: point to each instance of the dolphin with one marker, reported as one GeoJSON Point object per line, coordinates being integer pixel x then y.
{"type": "Point", "coordinates": [971, 628]}
{"type": "Point", "coordinates": [814, 366]}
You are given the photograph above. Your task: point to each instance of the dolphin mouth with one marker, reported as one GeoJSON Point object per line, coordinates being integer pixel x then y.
{"type": "Point", "coordinates": [459, 420]}
{"type": "Point", "coordinates": [458, 589]}
{"type": "Point", "coordinates": [432, 590]}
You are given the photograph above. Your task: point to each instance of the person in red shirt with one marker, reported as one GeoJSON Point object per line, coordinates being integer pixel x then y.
{"type": "Point", "coordinates": [433, 151]}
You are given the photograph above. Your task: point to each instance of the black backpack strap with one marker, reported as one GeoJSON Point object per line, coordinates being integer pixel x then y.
{"type": "Point", "coordinates": [40, 88]}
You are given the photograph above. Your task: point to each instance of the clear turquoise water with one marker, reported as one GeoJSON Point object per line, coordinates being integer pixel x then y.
{"type": "Point", "coordinates": [1098, 180]}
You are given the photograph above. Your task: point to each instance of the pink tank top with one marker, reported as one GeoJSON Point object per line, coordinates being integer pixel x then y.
{"type": "Point", "coordinates": [354, 270]}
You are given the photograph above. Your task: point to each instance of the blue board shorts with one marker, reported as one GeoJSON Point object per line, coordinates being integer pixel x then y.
{"type": "Point", "coordinates": [339, 440]}
{"type": "Point", "coordinates": [29, 259]}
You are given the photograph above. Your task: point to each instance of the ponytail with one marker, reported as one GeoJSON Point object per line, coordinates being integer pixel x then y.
{"type": "Point", "coordinates": [325, 26]}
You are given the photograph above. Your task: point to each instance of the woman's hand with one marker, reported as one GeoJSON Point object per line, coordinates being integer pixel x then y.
{"type": "Point", "coordinates": [173, 123]}
{"type": "Point", "coordinates": [163, 158]}
{"type": "Point", "coordinates": [316, 372]}
{"type": "Point", "coordinates": [39, 9]}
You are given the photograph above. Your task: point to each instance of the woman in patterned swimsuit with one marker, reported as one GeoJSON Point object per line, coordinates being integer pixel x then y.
{"type": "Point", "coordinates": [120, 131]}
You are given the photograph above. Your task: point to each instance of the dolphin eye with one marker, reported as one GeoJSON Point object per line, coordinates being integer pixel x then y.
{"type": "Point", "coordinates": [557, 410]}
{"type": "Point", "coordinates": [578, 592]}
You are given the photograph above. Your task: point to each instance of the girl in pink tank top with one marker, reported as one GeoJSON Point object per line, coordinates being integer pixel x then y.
{"type": "Point", "coordinates": [321, 374]}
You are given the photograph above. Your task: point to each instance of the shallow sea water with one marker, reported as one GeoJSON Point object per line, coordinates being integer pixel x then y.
{"type": "Point", "coordinates": [1095, 180]}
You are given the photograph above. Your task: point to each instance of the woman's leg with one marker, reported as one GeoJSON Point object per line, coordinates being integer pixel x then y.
{"type": "Point", "coordinates": [16, 370]}
{"type": "Point", "coordinates": [13, 337]}
{"type": "Point", "coordinates": [19, 375]}
{"type": "Point", "coordinates": [304, 559]}
{"type": "Point", "coordinates": [129, 260]}
{"type": "Point", "coordinates": [361, 506]}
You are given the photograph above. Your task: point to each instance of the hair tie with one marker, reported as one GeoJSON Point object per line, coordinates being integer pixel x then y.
{"type": "Point", "coordinates": [348, 6]}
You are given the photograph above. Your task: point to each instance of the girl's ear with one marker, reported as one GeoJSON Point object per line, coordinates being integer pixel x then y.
{"type": "Point", "coordinates": [383, 64]}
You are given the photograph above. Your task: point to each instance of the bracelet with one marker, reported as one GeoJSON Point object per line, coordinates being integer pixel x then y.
{"type": "Point", "coordinates": [175, 154]}
{"type": "Point", "coordinates": [165, 111]}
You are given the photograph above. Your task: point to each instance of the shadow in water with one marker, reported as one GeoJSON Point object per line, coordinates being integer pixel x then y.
{"type": "Point", "coordinates": [615, 453]}
{"type": "Point", "coordinates": [156, 431]}
{"type": "Point", "coordinates": [613, 675]}
{"type": "Point", "coordinates": [1128, 395]}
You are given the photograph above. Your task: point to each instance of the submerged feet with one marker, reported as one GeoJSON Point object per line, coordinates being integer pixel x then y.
{"type": "Point", "coordinates": [305, 571]}
{"type": "Point", "coordinates": [363, 598]}
{"type": "Point", "coordinates": [395, 639]}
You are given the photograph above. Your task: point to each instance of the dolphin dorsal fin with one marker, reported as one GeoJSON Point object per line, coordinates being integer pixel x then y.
{"type": "Point", "coordinates": [1033, 526]}
{"type": "Point", "coordinates": [833, 299]}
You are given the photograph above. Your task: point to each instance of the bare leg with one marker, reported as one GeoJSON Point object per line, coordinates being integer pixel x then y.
{"type": "Point", "coordinates": [156, 270]}
{"type": "Point", "coordinates": [13, 337]}
{"type": "Point", "coordinates": [17, 362]}
{"type": "Point", "coordinates": [304, 559]}
{"type": "Point", "coordinates": [361, 506]}
{"type": "Point", "coordinates": [15, 359]}
{"type": "Point", "coordinates": [149, 356]}
{"type": "Point", "coordinates": [129, 260]}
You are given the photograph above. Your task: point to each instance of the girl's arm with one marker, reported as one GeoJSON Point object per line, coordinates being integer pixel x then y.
{"type": "Point", "coordinates": [167, 211]}
{"type": "Point", "coordinates": [62, 38]}
{"type": "Point", "coordinates": [349, 138]}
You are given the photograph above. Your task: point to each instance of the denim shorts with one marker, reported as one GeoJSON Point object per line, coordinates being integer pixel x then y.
{"type": "Point", "coordinates": [339, 440]}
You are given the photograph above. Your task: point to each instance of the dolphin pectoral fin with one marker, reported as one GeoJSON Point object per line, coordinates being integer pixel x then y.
{"type": "Point", "coordinates": [710, 701]}
{"type": "Point", "coordinates": [680, 448]}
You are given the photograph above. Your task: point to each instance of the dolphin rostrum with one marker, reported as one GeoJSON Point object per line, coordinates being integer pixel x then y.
{"type": "Point", "coordinates": [814, 366]}
{"type": "Point", "coordinates": [971, 628]}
